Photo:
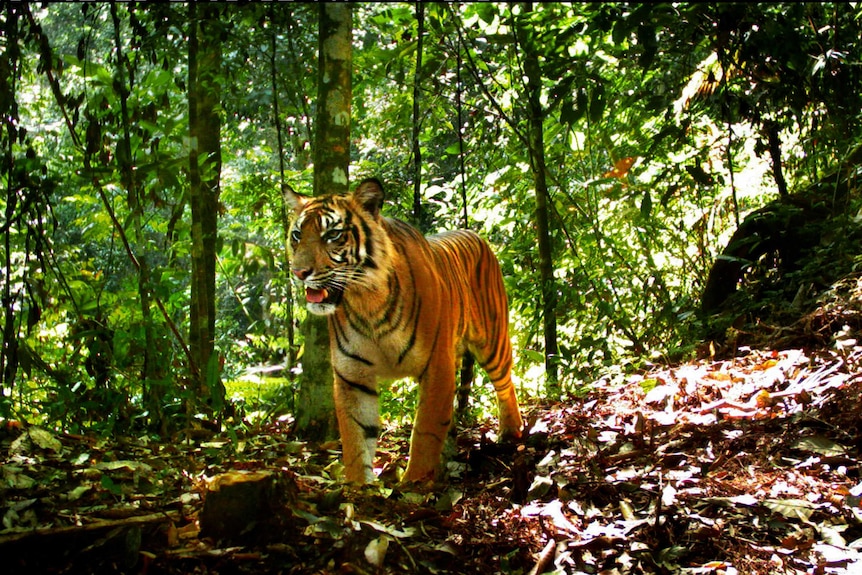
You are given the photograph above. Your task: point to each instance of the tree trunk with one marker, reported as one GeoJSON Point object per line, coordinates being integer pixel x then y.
{"type": "Point", "coordinates": [537, 166]}
{"type": "Point", "coordinates": [9, 118]}
{"type": "Point", "coordinates": [774, 139]}
{"type": "Point", "coordinates": [417, 148]}
{"type": "Point", "coordinates": [315, 405]}
{"type": "Point", "coordinates": [204, 171]}
{"type": "Point", "coordinates": [285, 219]}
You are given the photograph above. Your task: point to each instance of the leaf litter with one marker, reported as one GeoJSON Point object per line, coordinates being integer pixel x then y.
{"type": "Point", "coordinates": [748, 465]}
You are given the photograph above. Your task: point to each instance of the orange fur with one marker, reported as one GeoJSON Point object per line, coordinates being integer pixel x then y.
{"type": "Point", "coordinates": [400, 305]}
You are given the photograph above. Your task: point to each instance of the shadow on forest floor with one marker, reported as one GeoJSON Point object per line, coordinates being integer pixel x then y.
{"type": "Point", "coordinates": [746, 465]}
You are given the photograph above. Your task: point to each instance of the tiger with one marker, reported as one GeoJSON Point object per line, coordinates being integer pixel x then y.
{"type": "Point", "coordinates": [400, 304]}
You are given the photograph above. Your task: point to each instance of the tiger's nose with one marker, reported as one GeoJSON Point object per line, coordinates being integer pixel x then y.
{"type": "Point", "coordinates": [301, 273]}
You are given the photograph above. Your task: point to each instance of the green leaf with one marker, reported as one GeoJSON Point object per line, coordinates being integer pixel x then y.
{"type": "Point", "coordinates": [390, 530]}
{"type": "Point", "coordinates": [820, 445]}
{"type": "Point", "coordinates": [646, 205]}
{"type": "Point", "coordinates": [486, 11]}
{"type": "Point", "coordinates": [109, 485]}
{"type": "Point", "coordinates": [791, 508]}
{"type": "Point", "coordinates": [649, 384]}
{"type": "Point", "coordinates": [699, 175]}
{"type": "Point", "coordinates": [44, 439]}
{"type": "Point", "coordinates": [533, 355]}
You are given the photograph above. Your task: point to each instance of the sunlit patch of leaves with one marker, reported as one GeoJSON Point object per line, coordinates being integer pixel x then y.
{"type": "Point", "coordinates": [747, 465]}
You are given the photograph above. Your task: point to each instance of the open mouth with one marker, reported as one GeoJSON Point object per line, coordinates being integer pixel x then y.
{"type": "Point", "coordinates": [329, 295]}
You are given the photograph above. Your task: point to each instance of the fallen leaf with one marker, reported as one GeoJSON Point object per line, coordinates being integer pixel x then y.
{"type": "Point", "coordinates": [125, 465]}
{"type": "Point", "coordinates": [766, 365]}
{"type": "Point", "coordinates": [387, 530]}
{"type": "Point", "coordinates": [375, 551]}
{"type": "Point", "coordinates": [745, 499]}
{"type": "Point", "coordinates": [15, 478]}
{"type": "Point", "coordinates": [35, 437]}
{"type": "Point", "coordinates": [820, 445]}
{"type": "Point", "coordinates": [539, 488]}
{"type": "Point", "coordinates": [668, 495]}
{"type": "Point", "coordinates": [660, 393]}
{"type": "Point", "coordinates": [78, 492]}
{"type": "Point", "coordinates": [791, 508]}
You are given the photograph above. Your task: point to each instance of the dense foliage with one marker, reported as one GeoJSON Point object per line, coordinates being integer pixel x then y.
{"type": "Point", "coordinates": [663, 125]}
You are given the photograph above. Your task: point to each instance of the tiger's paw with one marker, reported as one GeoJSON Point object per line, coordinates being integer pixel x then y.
{"type": "Point", "coordinates": [416, 476]}
{"type": "Point", "coordinates": [512, 435]}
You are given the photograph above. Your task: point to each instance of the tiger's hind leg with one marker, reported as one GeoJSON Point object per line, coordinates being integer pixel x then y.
{"type": "Point", "coordinates": [496, 359]}
{"type": "Point", "coordinates": [433, 417]}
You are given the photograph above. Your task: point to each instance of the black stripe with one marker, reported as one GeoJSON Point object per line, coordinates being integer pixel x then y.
{"type": "Point", "coordinates": [357, 321]}
{"type": "Point", "coordinates": [412, 341]}
{"type": "Point", "coordinates": [342, 349]}
{"type": "Point", "coordinates": [361, 387]}
{"type": "Point", "coordinates": [371, 431]}
{"type": "Point", "coordinates": [394, 308]}
{"type": "Point", "coordinates": [369, 244]}
{"type": "Point", "coordinates": [430, 355]}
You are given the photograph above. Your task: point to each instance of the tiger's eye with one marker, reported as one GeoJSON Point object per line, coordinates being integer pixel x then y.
{"type": "Point", "coordinates": [295, 236]}
{"type": "Point", "coordinates": [333, 235]}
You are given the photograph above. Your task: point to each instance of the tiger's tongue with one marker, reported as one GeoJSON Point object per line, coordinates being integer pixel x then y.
{"type": "Point", "coordinates": [315, 295]}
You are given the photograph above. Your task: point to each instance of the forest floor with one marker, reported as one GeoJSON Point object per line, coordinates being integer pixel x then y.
{"type": "Point", "coordinates": [747, 465]}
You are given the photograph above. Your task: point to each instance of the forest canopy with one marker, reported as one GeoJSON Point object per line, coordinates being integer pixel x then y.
{"type": "Point", "coordinates": [655, 179]}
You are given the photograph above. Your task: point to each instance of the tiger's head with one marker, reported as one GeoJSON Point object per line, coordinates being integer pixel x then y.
{"type": "Point", "coordinates": [336, 243]}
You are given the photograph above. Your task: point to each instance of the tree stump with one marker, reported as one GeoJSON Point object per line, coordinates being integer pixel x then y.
{"type": "Point", "coordinates": [241, 504]}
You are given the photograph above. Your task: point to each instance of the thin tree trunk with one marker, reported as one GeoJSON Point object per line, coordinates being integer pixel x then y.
{"type": "Point", "coordinates": [417, 92]}
{"type": "Point", "coordinates": [467, 371]}
{"type": "Point", "coordinates": [775, 153]}
{"type": "Point", "coordinates": [334, 92]}
{"type": "Point", "coordinates": [460, 109]}
{"type": "Point", "coordinates": [533, 140]}
{"type": "Point", "coordinates": [542, 214]}
{"type": "Point", "coordinates": [315, 404]}
{"type": "Point", "coordinates": [285, 223]}
{"type": "Point", "coordinates": [204, 170]}
{"type": "Point", "coordinates": [731, 171]}
{"type": "Point", "coordinates": [9, 115]}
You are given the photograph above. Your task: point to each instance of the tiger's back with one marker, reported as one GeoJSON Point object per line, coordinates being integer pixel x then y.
{"type": "Point", "coordinates": [468, 263]}
{"type": "Point", "coordinates": [400, 304]}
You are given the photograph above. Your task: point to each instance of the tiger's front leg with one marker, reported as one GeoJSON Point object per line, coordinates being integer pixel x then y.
{"type": "Point", "coordinates": [359, 425]}
{"type": "Point", "coordinates": [433, 418]}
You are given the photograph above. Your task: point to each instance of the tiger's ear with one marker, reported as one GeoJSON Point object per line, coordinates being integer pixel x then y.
{"type": "Point", "coordinates": [294, 200]}
{"type": "Point", "coordinates": [369, 194]}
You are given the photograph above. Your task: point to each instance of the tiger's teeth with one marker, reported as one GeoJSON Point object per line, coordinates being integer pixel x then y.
{"type": "Point", "coordinates": [313, 295]}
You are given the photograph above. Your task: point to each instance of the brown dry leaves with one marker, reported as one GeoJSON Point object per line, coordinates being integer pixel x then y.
{"type": "Point", "coordinates": [742, 466]}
